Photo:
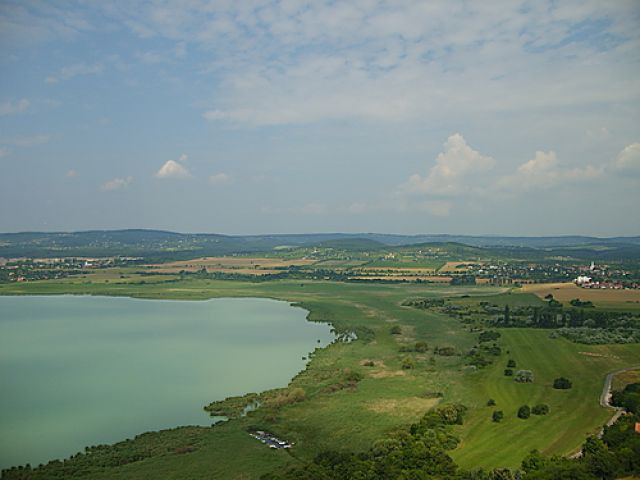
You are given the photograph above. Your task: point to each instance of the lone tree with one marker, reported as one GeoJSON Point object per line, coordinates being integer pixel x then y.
{"type": "Point", "coordinates": [511, 363]}
{"type": "Point", "coordinates": [497, 416]}
{"type": "Point", "coordinates": [524, 412]}
{"type": "Point", "coordinates": [562, 383]}
{"type": "Point", "coordinates": [491, 402]}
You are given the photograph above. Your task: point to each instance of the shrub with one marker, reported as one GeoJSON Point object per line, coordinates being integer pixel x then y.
{"type": "Point", "coordinates": [540, 409]}
{"type": "Point", "coordinates": [395, 330]}
{"type": "Point", "coordinates": [420, 347]}
{"type": "Point", "coordinates": [497, 416]}
{"type": "Point", "coordinates": [524, 412]}
{"type": "Point", "coordinates": [562, 383]}
{"type": "Point", "coordinates": [489, 336]}
{"type": "Point", "coordinates": [524, 376]}
{"type": "Point", "coordinates": [407, 363]}
{"type": "Point", "coordinates": [352, 376]}
{"type": "Point", "coordinates": [445, 351]}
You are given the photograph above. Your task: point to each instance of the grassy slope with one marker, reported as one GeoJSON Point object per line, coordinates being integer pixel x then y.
{"type": "Point", "coordinates": [573, 413]}
{"type": "Point", "coordinates": [387, 398]}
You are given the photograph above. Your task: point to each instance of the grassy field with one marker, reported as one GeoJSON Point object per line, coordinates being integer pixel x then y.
{"type": "Point", "coordinates": [388, 397]}
{"type": "Point", "coordinates": [573, 413]}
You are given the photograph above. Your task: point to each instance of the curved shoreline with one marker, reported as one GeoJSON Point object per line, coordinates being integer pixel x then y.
{"type": "Point", "coordinates": [252, 296]}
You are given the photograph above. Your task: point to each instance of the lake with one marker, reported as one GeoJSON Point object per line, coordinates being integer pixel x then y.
{"type": "Point", "coordinates": [81, 370]}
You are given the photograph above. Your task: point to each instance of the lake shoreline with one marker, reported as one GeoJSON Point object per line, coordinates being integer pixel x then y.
{"type": "Point", "coordinates": [295, 304]}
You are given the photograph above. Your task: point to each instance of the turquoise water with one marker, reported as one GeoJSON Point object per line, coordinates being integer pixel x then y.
{"type": "Point", "coordinates": [78, 371]}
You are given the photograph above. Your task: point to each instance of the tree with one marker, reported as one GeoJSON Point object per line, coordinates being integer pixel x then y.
{"type": "Point", "coordinates": [540, 409]}
{"type": "Point", "coordinates": [497, 416]}
{"type": "Point", "coordinates": [491, 402]}
{"type": "Point", "coordinates": [507, 315]}
{"type": "Point", "coordinates": [511, 363]}
{"type": "Point", "coordinates": [534, 461]}
{"type": "Point", "coordinates": [524, 412]}
{"type": "Point", "coordinates": [395, 330]}
{"type": "Point", "coordinates": [508, 372]}
{"type": "Point", "coordinates": [562, 383]}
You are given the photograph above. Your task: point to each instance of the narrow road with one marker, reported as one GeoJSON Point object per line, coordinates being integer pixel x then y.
{"type": "Point", "coordinates": [605, 398]}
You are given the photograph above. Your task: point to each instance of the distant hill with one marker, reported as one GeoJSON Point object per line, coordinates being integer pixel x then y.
{"type": "Point", "coordinates": [353, 244]}
{"type": "Point", "coordinates": [157, 244]}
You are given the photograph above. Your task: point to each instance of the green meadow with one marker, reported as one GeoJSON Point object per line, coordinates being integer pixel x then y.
{"type": "Point", "coordinates": [336, 414]}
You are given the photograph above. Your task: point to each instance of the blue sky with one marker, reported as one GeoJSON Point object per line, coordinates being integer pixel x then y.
{"type": "Point", "coordinates": [284, 116]}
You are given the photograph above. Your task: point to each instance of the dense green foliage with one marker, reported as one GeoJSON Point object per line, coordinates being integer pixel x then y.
{"type": "Point", "coordinates": [540, 409]}
{"type": "Point", "coordinates": [562, 383]}
{"type": "Point", "coordinates": [627, 398]}
{"type": "Point", "coordinates": [524, 412]}
{"type": "Point", "coordinates": [598, 336]}
{"type": "Point", "coordinates": [616, 455]}
{"type": "Point", "coordinates": [179, 441]}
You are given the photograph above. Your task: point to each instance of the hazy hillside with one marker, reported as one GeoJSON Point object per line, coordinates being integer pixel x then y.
{"type": "Point", "coordinates": [163, 244]}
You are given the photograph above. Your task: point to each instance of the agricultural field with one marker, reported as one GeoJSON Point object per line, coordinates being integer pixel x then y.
{"type": "Point", "coordinates": [235, 264]}
{"type": "Point", "coordinates": [605, 298]}
{"type": "Point", "coordinates": [358, 392]}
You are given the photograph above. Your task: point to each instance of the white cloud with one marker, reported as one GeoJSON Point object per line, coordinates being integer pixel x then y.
{"type": "Point", "coordinates": [3, 152]}
{"type": "Point", "coordinates": [544, 171]}
{"type": "Point", "coordinates": [628, 160]}
{"type": "Point", "coordinates": [72, 71]}
{"type": "Point", "coordinates": [453, 168]}
{"type": "Point", "coordinates": [116, 184]}
{"type": "Point", "coordinates": [219, 178]}
{"type": "Point", "coordinates": [11, 108]}
{"type": "Point", "coordinates": [72, 174]}
{"type": "Point", "coordinates": [173, 169]}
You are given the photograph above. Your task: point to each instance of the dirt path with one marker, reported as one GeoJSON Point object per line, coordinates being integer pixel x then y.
{"type": "Point", "coordinates": [605, 398]}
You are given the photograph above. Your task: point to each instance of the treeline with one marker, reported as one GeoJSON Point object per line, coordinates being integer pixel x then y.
{"type": "Point", "coordinates": [99, 459]}
{"type": "Point", "coordinates": [554, 315]}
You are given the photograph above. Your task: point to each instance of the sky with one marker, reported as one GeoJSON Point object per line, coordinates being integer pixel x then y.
{"type": "Point", "coordinates": [246, 117]}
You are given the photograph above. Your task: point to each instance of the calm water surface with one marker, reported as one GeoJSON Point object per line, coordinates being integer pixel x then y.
{"type": "Point", "coordinates": [77, 371]}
